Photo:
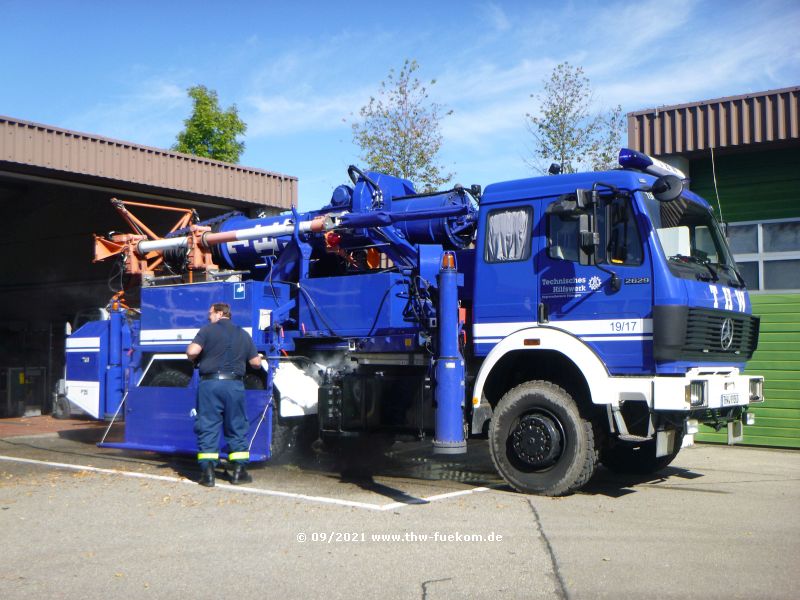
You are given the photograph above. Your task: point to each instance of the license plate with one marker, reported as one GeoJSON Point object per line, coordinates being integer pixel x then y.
{"type": "Point", "coordinates": [730, 399]}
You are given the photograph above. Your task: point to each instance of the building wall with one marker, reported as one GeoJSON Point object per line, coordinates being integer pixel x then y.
{"type": "Point", "coordinates": [762, 189]}
{"type": "Point", "coordinates": [752, 185]}
{"type": "Point", "coordinates": [778, 360]}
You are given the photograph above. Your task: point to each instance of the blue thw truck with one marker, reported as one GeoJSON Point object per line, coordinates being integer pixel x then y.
{"type": "Point", "coordinates": [574, 320]}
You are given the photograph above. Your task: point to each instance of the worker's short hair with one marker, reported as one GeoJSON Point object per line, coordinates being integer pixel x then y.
{"type": "Point", "coordinates": [223, 308]}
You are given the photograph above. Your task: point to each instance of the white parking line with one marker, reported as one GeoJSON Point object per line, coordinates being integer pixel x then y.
{"type": "Point", "coordinates": [249, 490]}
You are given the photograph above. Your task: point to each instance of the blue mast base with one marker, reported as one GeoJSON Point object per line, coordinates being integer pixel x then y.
{"type": "Point", "coordinates": [449, 447]}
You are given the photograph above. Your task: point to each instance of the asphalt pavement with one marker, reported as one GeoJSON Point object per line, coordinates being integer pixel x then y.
{"type": "Point", "coordinates": [83, 522]}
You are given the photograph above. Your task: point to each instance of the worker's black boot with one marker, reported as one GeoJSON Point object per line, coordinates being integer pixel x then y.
{"type": "Point", "coordinates": [207, 475]}
{"type": "Point", "coordinates": [240, 474]}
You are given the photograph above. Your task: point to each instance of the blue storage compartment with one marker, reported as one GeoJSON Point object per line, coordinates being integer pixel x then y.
{"type": "Point", "coordinates": [172, 314]}
{"type": "Point", "coordinates": [355, 306]}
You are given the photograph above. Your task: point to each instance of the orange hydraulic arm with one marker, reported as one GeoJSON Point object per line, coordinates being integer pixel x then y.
{"type": "Point", "coordinates": [145, 263]}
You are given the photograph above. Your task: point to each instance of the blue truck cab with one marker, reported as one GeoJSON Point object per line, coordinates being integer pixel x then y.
{"type": "Point", "coordinates": [630, 305]}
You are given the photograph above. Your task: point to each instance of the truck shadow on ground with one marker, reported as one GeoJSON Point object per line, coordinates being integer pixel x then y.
{"type": "Point", "coordinates": [415, 460]}
{"type": "Point", "coordinates": [616, 485]}
{"type": "Point", "coordinates": [93, 435]}
{"type": "Point", "coordinates": [382, 467]}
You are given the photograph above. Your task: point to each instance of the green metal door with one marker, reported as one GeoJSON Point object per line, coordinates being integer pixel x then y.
{"type": "Point", "coordinates": [778, 360]}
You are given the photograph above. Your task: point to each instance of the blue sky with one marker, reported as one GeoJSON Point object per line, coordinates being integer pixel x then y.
{"type": "Point", "coordinates": [298, 71]}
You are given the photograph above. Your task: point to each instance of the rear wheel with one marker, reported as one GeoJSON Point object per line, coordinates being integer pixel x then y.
{"type": "Point", "coordinates": [171, 378]}
{"type": "Point", "coordinates": [637, 458]}
{"type": "Point", "coordinates": [539, 442]}
{"type": "Point", "coordinates": [61, 408]}
{"type": "Point", "coordinates": [285, 436]}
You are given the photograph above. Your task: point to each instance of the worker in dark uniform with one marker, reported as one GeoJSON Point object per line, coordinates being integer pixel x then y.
{"type": "Point", "coordinates": [224, 350]}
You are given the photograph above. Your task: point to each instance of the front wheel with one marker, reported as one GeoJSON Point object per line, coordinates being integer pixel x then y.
{"type": "Point", "coordinates": [539, 442]}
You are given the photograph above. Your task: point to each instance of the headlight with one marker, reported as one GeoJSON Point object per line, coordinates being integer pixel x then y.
{"type": "Point", "coordinates": [696, 394]}
{"type": "Point", "coordinates": [757, 389]}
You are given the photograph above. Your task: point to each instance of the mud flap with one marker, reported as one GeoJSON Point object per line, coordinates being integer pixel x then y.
{"type": "Point", "coordinates": [665, 443]}
{"type": "Point", "coordinates": [735, 432]}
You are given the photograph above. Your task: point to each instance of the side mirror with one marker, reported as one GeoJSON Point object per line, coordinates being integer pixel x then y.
{"type": "Point", "coordinates": [667, 188]}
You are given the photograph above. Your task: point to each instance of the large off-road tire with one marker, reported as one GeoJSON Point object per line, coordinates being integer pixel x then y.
{"type": "Point", "coordinates": [171, 378]}
{"type": "Point", "coordinates": [637, 458]}
{"type": "Point", "coordinates": [539, 442]}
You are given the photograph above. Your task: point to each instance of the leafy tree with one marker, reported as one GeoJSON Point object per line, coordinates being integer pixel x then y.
{"type": "Point", "coordinates": [568, 132]}
{"type": "Point", "coordinates": [612, 129]}
{"type": "Point", "coordinates": [210, 131]}
{"type": "Point", "coordinates": [399, 130]}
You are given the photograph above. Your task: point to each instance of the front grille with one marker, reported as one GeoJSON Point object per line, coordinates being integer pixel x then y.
{"type": "Point", "coordinates": [681, 333]}
{"type": "Point", "coordinates": [707, 336]}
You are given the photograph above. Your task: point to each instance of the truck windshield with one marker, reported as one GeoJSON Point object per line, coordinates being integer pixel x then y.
{"type": "Point", "coordinates": [692, 241]}
{"type": "Point", "coordinates": [87, 315]}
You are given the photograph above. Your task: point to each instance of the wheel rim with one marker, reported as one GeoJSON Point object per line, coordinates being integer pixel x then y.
{"type": "Point", "coordinates": [537, 440]}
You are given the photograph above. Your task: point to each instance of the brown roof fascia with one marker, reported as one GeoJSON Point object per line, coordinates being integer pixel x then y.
{"type": "Point", "coordinates": [90, 155]}
{"type": "Point", "coordinates": [660, 109]}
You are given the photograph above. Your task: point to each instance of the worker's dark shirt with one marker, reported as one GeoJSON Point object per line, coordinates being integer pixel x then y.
{"type": "Point", "coordinates": [226, 348]}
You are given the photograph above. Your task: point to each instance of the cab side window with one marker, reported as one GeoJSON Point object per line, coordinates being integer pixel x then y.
{"type": "Point", "coordinates": [620, 243]}
{"type": "Point", "coordinates": [619, 238]}
{"type": "Point", "coordinates": [508, 234]}
{"type": "Point", "coordinates": [563, 237]}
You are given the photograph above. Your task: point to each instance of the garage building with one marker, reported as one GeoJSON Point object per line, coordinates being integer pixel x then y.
{"type": "Point", "coordinates": [55, 192]}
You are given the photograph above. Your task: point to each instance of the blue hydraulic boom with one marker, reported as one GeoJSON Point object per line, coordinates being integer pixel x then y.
{"type": "Point", "coordinates": [372, 275]}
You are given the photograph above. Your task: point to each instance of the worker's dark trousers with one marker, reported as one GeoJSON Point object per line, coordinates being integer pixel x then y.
{"type": "Point", "coordinates": [221, 402]}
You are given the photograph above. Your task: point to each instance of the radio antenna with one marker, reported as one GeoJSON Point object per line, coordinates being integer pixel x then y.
{"type": "Point", "coordinates": [716, 190]}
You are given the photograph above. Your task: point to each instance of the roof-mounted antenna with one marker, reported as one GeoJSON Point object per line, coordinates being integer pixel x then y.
{"type": "Point", "coordinates": [716, 190]}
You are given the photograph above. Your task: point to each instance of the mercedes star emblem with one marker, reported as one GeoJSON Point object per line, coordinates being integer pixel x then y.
{"type": "Point", "coordinates": [726, 334]}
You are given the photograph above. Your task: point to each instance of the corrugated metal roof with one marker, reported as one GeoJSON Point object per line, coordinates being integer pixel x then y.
{"type": "Point", "coordinates": [759, 118]}
{"type": "Point", "coordinates": [60, 150]}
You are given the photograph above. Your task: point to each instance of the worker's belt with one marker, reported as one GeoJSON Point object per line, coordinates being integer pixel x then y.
{"type": "Point", "coordinates": [233, 376]}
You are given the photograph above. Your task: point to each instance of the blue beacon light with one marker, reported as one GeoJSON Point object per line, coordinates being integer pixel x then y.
{"type": "Point", "coordinates": [631, 159]}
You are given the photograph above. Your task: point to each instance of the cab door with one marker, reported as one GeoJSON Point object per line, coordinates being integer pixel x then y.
{"type": "Point", "coordinates": [615, 319]}
{"type": "Point", "coordinates": [506, 292]}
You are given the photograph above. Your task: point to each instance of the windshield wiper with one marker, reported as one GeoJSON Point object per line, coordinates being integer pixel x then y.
{"type": "Point", "coordinates": [737, 281]}
{"type": "Point", "coordinates": [697, 261]}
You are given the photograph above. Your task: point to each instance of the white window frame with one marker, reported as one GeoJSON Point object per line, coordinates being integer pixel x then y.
{"type": "Point", "coordinates": [761, 256]}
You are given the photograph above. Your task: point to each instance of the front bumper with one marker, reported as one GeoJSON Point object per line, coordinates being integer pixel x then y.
{"type": "Point", "coordinates": [717, 397]}
{"type": "Point", "coordinates": [707, 389]}
{"type": "Point", "coordinates": [714, 397]}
